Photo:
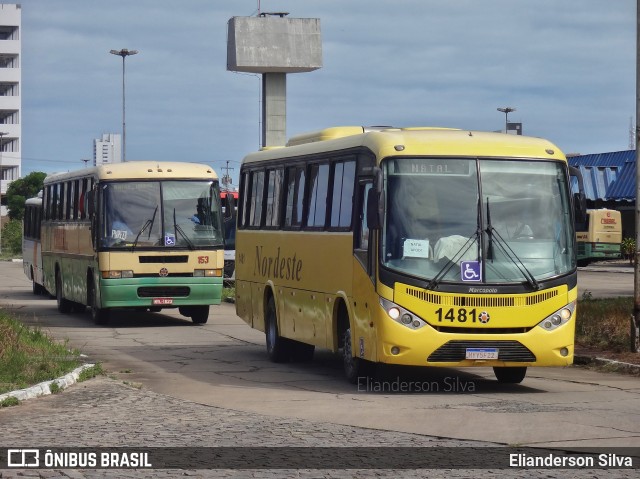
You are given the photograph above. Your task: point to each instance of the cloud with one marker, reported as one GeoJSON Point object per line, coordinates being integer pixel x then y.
{"type": "Point", "coordinates": [568, 68]}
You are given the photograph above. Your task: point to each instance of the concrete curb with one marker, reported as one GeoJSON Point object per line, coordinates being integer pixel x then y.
{"type": "Point", "coordinates": [44, 388]}
{"type": "Point", "coordinates": [618, 365]}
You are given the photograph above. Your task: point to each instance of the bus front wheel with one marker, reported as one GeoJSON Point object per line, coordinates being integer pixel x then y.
{"type": "Point", "coordinates": [199, 314]}
{"type": "Point", "coordinates": [354, 367]}
{"type": "Point", "coordinates": [510, 375]}
{"type": "Point", "coordinates": [278, 348]}
{"type": "Point", "coordinates": [99, 315]}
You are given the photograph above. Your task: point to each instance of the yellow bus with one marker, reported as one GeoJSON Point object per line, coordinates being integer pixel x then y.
{"type": "Point", "coordinates": [410, 246]}
{"type": "Point", "coordinates": [601, 237]}
{"type": "Point", "coordinates": [145, 235]}
{"type": "Point", "coordinates": [31, 246]}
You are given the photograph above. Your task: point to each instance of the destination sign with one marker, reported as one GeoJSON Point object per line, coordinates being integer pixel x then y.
{"type": "Point", "coordinates": [431, 166]}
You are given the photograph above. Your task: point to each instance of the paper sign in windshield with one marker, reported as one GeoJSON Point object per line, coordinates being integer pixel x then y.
{"type": "Point", "coordinates": [414, 248]}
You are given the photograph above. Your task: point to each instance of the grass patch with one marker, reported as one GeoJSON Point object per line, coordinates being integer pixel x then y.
{"type": "Point", "coordinates": [28, 356]}
{"type": "Point", "coordinates": [8, 402]}
{"type": "Point", "coordinates": [90, 373]}
{"type": "Point", "coordinates": [229, 294]}
{"type": "Point", "coordinates": [604, 323]}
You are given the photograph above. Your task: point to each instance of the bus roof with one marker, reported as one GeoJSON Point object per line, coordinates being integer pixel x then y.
{"type": "Point", "coordinates": [418, 141]}
{"type": "Point", "coordinates": [143, 170]}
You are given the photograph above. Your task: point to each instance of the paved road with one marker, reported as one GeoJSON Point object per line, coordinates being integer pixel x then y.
{"type": "Point", "coordinates": [211, 385]}
{"type": "Point", "coordinates": [604, 280]}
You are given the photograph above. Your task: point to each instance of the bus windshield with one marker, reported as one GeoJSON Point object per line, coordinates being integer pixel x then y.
{"type": "Point", "coordinates": [477, 220]}
{"type": "Point", "coordinates": [167, 214]}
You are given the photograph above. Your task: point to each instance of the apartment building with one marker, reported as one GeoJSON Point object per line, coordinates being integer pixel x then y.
{"type": "Point", "coordinates": [107, 149]}
{"type": "Point", "coordinates": [10, 99]}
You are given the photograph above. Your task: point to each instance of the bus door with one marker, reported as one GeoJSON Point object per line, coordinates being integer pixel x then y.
{"type": "Point", "coordinates": [364, 299]}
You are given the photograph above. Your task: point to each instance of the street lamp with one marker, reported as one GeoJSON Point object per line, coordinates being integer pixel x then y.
{"type": "Point", "coordinates": [2, 133]}
{"type": "Point", "coordinates": [506, 110]}
{"type": "Point", "coordinates": [124, 53]}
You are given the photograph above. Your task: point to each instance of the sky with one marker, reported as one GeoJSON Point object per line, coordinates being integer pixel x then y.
{"type": "Point", "coordinates": [568, 67]}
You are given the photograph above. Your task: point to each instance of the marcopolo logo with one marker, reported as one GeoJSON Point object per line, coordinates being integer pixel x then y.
{"type": "Point", "coordinates": [483, 290]}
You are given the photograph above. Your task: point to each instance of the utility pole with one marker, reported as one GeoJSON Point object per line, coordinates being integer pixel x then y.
{"type": "Point", "coordinates": [635, 319]}
{"type": "Point", "coordinates": [124, 53]}
{"type": "Point", "coordinates": [226, 179]}
{"type": "Point", "coordinates": [506, 110]}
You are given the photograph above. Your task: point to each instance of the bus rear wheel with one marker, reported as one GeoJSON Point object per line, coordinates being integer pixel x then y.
{"type": "Point", "coordinates": [278, 348]}
{"type": "Point", "coordinates": [64, 305]}
{"type": "Point", "coordinates": [510, 375]}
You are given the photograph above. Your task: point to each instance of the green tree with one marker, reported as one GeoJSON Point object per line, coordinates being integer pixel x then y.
{"type": "Point", "coordinates": [21, 189]}
{"type": "Point", "coordinates": [12, 237]}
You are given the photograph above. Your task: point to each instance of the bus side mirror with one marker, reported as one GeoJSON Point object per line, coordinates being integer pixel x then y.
{"type": "Point", "coordinates": [375, 203]}
{"type": "Point", "coordinates": [579, 198]}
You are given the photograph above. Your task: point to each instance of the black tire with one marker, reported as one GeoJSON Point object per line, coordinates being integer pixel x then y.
{"type": "Point", "coordinates": [278, 348]}
{"type": "Point", "coordinates": [64, 305]}
{"type": "Point", "coordinates": [354, 368]}
{"type": "Point", "coordinates": [35, 287]}
{"type": "Point", "coordinates": [99, 315]}
{"type": "Point", "coordinates": [302, 352]}
{"type": "Point", "coordinates": [199, 314]}
{"type": "Point", "coordinates": [510, 375]}
{"type": "Point", "coordinates": [78, 308]}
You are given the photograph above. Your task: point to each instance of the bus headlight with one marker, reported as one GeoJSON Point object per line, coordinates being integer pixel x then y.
{"type": "Point", "coordinates": [401, 315]}
{"type": "Point", "coordinates": [117, 274]}
{"type": "Point", "coordinates": [207, 273]}
{"type": "Point", "coordinates": [558, 318]}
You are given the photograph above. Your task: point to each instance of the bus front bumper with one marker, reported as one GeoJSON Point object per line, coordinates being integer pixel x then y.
{"type": "Point", "coordinates": [429, 347]}
{"type": "Point", "coordinates": [160, 292]}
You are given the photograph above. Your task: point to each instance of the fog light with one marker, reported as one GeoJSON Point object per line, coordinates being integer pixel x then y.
{"type": "Point", "coordinates": [395, 350]}
{"type": "Point", "coordinates": [416, 324]}
{"type": "Point", "coordinates": [406, 318]}
{"type": "Point", "coordinates": [564, 352]}
{"type": "Point", "coordinates": [547, 324]}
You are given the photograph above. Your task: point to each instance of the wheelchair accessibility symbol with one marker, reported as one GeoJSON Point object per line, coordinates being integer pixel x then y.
{"type": "Point", "coordinates": [470, 271]}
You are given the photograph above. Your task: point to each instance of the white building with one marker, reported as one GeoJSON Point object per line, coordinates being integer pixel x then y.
{"type": "Point", "coordinates": [10, 99]}
{"type": "Point", "coordinates": [108, 149]}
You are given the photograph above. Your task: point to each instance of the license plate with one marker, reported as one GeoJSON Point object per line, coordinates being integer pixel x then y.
{"type": "Point", "coordinates": [481, 353]}
{"type": "Point", "coordinates": [162, 301]}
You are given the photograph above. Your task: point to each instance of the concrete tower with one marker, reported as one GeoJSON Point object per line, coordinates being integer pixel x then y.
{"type": "Point", "coordinates": [274, 45]}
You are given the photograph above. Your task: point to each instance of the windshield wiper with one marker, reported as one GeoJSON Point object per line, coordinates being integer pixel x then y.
{"type": "Point", "coordinates": [492, 233]}
{"type": "Point", "coordinates": [461, 252]}
{"type": "Point", "coordinates": [147, 224]}
{"type": "Point", "coordinates": [178, 229]}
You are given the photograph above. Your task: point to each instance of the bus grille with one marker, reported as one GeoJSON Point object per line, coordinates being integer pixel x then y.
{"type": "Point", "coordinates": [450, 329]}
{"type": "Point", "coordinates": [164, 259]}
{"type": "Point", "coordinates": [163, 291]}
{"type": "Point", "coordinates": [483, 301]}
{"type": "Point", "coordinates": [454, 351]}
